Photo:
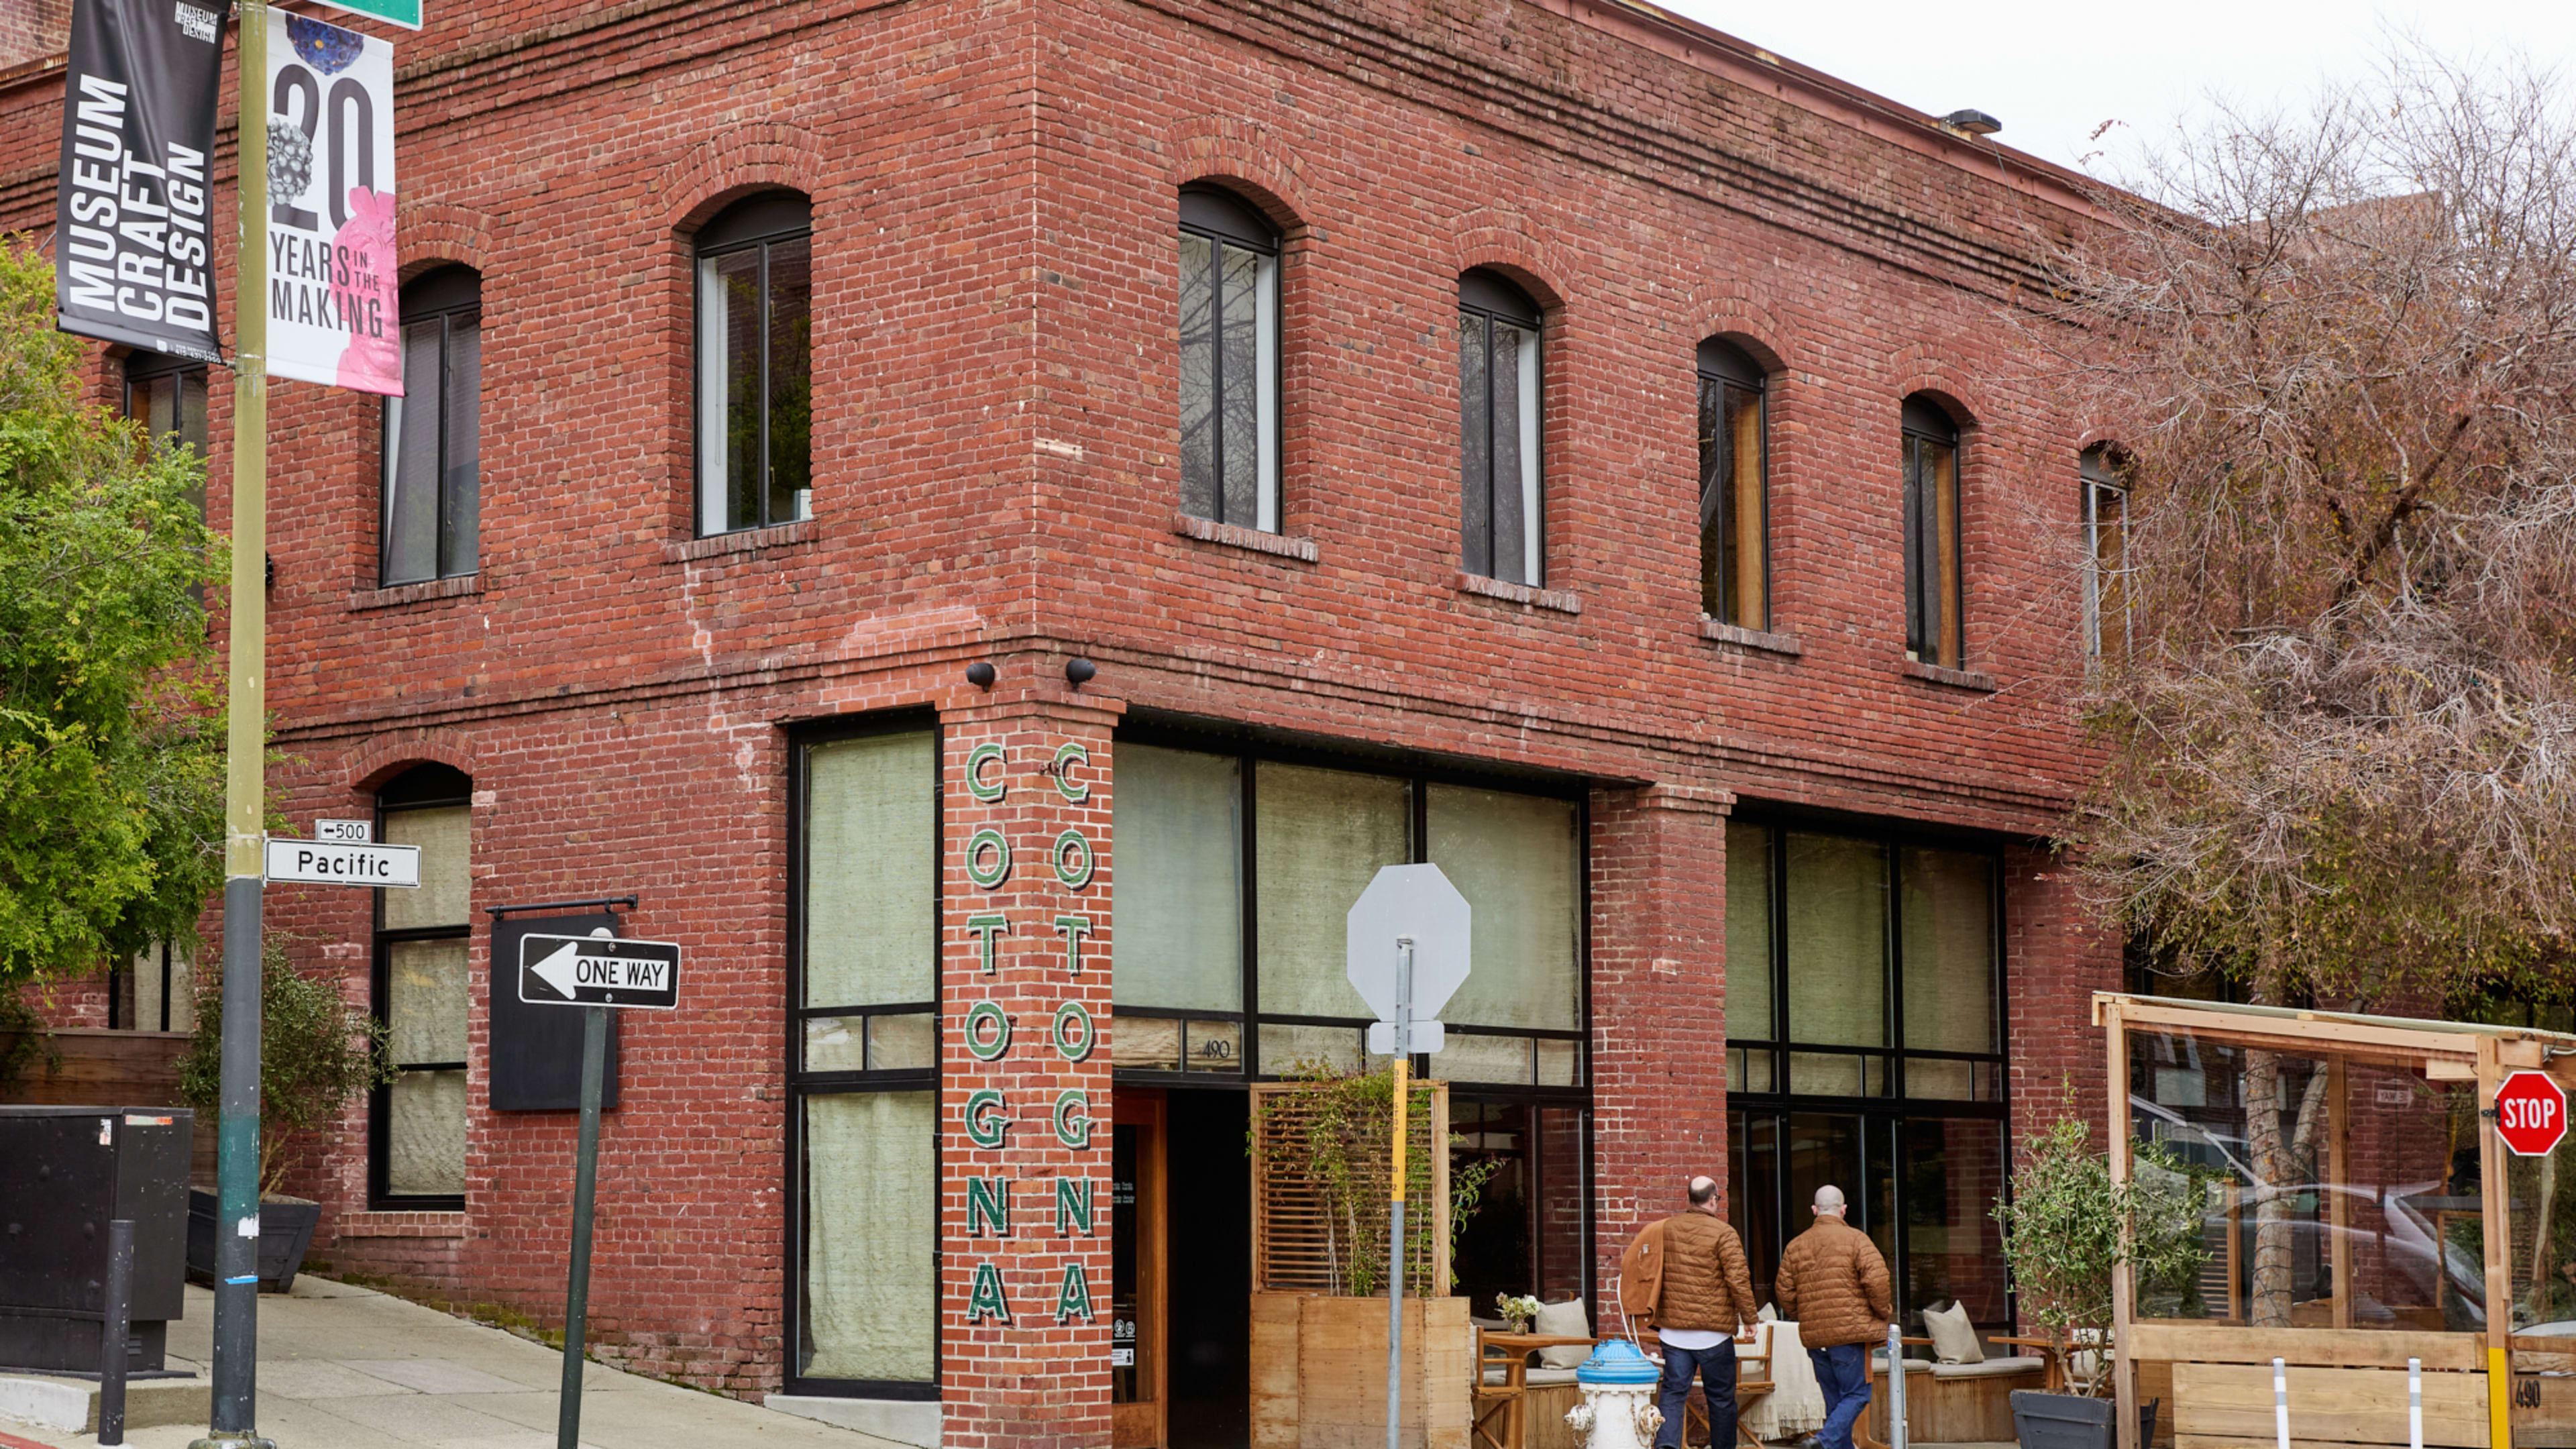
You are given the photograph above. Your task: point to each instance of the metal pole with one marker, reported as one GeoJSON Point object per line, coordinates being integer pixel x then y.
{"type": "Point", "coordinates": [1896, 1386]}
{"type": "Point", "coordinates": [2414, 1403]}
{"type": "Point", "coordinates": [2280, 1402]}
{"type": "Point", "coordinates": [236, 1331]}
{"type": "Point", "coordinates": [116, 1325]}
{"type": "Point", "coordinates": [594, 1066]}
{"type": "Point", "coordinates": [1403, 1045]}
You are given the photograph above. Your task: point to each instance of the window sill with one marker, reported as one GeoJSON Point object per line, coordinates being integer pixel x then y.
{"type": "Point", "coordinates": [1954, 678]}
{"type": "Point", "coordinates": [1563, 601]}
{"type": "Point", "coordinates": [749, 540]}
{"type": "Point", "coordinates": [389, 1223]}
{"type": "Point", "coordinates": [422, 592]}
{"type": "Point", "coordinates": [1744, 638]}
{"type": "Point", "coordinates": [1235, 535]}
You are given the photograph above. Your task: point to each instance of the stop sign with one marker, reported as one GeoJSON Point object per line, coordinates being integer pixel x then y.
{"type": "Point", "coordinates": [2531, 1114]}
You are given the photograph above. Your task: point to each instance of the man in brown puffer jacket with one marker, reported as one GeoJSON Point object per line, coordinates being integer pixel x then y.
{"type": "Point", "coordinates": [1833, 1284]}
{"type": "Point", "coordinates": [1685, 1278]}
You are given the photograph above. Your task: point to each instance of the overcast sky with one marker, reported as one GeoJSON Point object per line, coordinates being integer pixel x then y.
{"type": "Point", "coordinates": [2053, 70]}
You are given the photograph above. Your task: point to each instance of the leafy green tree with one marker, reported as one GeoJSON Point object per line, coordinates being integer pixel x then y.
{"type": "Point", "coordinates": [317, 1053]}
{"type": "Point", "coordinates": [111, 736]}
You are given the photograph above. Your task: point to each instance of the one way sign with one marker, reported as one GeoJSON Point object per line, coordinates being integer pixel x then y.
{"type": "Point", "coordinates": [598, 971]}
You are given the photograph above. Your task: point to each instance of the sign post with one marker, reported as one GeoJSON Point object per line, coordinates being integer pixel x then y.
{"type": "Point", "coordinates": [599, 974]}
{"type": "Point", "coordinates": [2531, 1114]}
{"type": "Point", "coordinates": [1407, 953]}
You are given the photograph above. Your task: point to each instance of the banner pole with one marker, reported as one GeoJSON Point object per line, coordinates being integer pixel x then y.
{"type": "Point", "coordinates": [236, 1328]}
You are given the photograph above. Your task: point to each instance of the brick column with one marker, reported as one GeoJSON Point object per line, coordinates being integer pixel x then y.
{"type": "Point", "coordinates": [1658, 1008]}
{"type": "Point", "coordinates": [1025, 1100]}
{"type": "Point", "coordinates": [2057, 953]}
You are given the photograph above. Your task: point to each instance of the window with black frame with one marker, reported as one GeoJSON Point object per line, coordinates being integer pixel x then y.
{"type": "Point", "coordinates": [1734, 506]}
{"type": "Point", "coordinates": [1229, 362]}
{"type": "Point", "coordinates": [433, 469]}
{"type": "Point", "coordinates": [2107, 636]}
{"type": "Point", "coordinates": [1935, 594]}
{"type": "Point", "coordinates": [1237, 866]}
{"type": "Point", "coordinates": [755, 341]}
{"type": "Point", "coordinates": [168, 396]}
{"type": "Point", "coordinates": [1499, 396]}
{"type": "Point", "coordinates": [1865, 1049]}
{"type": "Point", "coordinates": [864, 1114]}
{"type": "Point", "coordinates": [422, 991]}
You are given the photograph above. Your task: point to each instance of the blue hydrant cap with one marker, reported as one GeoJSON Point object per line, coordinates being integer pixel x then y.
{"type": "Point", "coordinates": [1617, 1361]}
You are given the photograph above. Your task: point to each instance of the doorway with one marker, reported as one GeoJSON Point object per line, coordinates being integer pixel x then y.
{"type": "Point", "coordinates": [1181, 1267]}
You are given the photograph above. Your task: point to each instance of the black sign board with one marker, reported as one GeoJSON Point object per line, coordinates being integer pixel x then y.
{"type": "Point", "coordinates": [598, 971]}
{"type": "Point", "coordinates": [536, 1051]}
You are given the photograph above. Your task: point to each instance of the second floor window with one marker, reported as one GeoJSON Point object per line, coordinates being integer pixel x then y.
{"type": "Point", "coordinates": [755, 364]}
{"type": "Point", "coordinates": [1498, 424]}
{"type": "Point", "coordinates": [1733, 506]}
{"type": "Point", "coordinates": [1934, 593]}
{"type": "Point", "coordinates": [2106, 555]}
{"type": "Point", "coordinates": [1229, 363]}
{"type": "Point", "coordinates": [433, 444]}
{"type": "Point", "coordinates": [168, 396]}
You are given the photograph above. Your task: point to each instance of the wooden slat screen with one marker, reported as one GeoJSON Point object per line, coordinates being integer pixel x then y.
{"type": "Point", "coordinates": [1293, 1249]}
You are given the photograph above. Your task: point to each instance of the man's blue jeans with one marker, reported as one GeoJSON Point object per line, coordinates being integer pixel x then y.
{"type": "Point", "coordinates": [1715, 1368]}
{"type": "Point", "coordinates": [1842, 1371]}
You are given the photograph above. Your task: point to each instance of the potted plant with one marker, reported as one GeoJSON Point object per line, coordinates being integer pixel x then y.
{"type": "Point", "coordinates": [1516, 1310]}
{"type": "Point", "coordinates": [1320, 1169]}
{"type": "Point", "coordinates": [2068, 1229]}
{"type": "Point", "coordinates": [316, 1054]}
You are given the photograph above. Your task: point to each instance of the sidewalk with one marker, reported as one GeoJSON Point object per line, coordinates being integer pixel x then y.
{"type": "Point", "coordinates": [348, 1368]}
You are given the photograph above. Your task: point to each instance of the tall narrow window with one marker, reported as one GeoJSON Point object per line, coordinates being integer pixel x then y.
{"type": "Point", "coordinates": [433, 441]}
{"type": "Point", "coordinates": [422, 937]}
{"type": "Point", "coordinates": [168, 396]}
{"type": "Point", "coordinates": [1934, 594]}
{"type": "Point", "coordinates": [1498, 423]}
{"type": "Point", "coordinates": [755, 364]}
{"type": "Point", "coordinates": [1734, 552]}
{"type": "Point", "coordinates": [2106, 555]}
{"type": "Point", "coordinates": [1229, 362]}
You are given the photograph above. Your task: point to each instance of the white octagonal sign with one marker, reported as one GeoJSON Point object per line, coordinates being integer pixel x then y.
{"type": "Point", "coordinates": [1419, 902]}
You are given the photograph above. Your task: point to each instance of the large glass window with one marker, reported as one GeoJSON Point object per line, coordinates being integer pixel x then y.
{"type": "Point", "coordinates": [1734, 574]}
{"type": "Point", "coordinates": [2106, 555]}
{"type": "Point", "coordinates": [1863, 1049]}
{"type": "Point", "coordinates": [1499, 436]}
{"type": "Point", "coordinates": [755, 364]}
{"type": "Point", "coordinates": [433, 443]}
{"type": "Point", "coordinates": [1934, 592]}
{"type": "Point", "coordinates": [423, 992]}
{"type": "Point", "coordinates": [1229, 362]}
{"type": "Point", "coordinates": [864, 1008]}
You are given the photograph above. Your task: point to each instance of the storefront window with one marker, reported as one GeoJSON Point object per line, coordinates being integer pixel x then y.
{"type": "Point", "coordinates": [422, 992]}
{"type": "Point", "coordinates": [866, 1113]}
{"type": "Point", "coordinates": [1864, 1050]}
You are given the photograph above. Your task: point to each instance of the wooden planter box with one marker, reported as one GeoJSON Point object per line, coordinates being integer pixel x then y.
{"type": "Point", "coordinates": [1319, 1372]}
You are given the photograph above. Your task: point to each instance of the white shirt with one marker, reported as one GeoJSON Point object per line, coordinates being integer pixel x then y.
{"type": "Point", "coordinates": [1691, 1338]}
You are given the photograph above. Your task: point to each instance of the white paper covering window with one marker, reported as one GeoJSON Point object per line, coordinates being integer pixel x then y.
{"type": "Point", "coordinates": [871, 1230]}
{"type": "Point", "coordinates": [1178, 911]}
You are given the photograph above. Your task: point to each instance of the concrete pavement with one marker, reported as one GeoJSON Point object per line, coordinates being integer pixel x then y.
{"type": "Point", "coordinates": [349, 1368]}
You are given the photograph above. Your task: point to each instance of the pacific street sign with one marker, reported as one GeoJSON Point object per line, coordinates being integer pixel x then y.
{"type": "Point", "coordinates": [323, 862]}
{"type": "Point", "coordinates": [598, 971]}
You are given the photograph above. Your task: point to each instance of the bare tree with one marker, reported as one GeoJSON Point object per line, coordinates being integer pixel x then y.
{"type": "Point", "coordinates": [2338, 354]}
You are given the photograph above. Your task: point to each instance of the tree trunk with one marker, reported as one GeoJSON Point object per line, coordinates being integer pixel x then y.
{"type": "Point", "coordinates": [2268, 1306]}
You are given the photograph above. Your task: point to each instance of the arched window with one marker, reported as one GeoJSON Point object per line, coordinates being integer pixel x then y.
{"type": "Point", "coordinates": [1498, 417]}
{"type": "Point", "coordinates": [417, 1152]}
{"type": "Point", "coordinates": [1934, 595]}
{"type": "Point", "coordinates": [755, 364]}
{"type": "Point", "coordinates": [1734, 498]}
{"type": "Point", "coordinates": [1229, 362]}
{"type": "Point", "coordinates": [433, 444]}
{"type": "Point", "coordinates": [2106, 553]}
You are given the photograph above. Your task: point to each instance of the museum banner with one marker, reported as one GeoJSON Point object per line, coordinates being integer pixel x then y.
{"type": "Point", "coordinates": [334, 308]}
{"type": "Point", "coordinates": [133, 262]}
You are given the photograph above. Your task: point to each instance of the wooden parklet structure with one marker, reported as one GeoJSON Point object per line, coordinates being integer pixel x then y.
{"type": "Point", "coordinates": [2358, 1211]}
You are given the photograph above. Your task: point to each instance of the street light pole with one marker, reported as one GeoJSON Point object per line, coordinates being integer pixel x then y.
{"type": "Point", "coordinates": [235, 1416]}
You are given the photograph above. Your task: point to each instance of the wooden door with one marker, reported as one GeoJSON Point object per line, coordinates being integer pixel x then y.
{"type": "Point", "coordinates": [1139, 1397]}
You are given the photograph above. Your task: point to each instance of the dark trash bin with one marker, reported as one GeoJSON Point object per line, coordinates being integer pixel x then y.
{"type": "Point", "coordinates": [285, 1230]}
{"type": "Point", "coordinates": [72, 1170]}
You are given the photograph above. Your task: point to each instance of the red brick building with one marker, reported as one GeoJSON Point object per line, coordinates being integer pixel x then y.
{"type": "Point", "coordinates": [1558, 442]}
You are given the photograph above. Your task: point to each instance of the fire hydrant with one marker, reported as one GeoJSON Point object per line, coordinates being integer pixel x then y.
{"type": "Point", "coordinates": [1618, 1409]}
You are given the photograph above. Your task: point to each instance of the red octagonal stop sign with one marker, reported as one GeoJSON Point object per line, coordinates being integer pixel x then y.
{"type": "Point", "coordinates": [2531, 1113]}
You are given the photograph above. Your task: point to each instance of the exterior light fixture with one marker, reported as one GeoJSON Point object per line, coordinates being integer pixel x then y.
{"type": "Point", "coordinates": [980, 674]}
{"type": "Point", "coordinates": [1973, 122]}
{"type": "Point", "coordinates": [1079, 671]}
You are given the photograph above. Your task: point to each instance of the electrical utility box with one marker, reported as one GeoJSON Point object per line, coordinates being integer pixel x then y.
{"type": "Point", "coordinates": [71, 1170]}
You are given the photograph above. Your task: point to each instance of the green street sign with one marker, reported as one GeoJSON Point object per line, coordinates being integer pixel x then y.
{"type": "Point", "coordinates": [405, 13]}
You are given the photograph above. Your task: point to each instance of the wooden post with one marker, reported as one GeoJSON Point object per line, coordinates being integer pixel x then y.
{"type": "Point", "coordinates": [2338, 1174]}
{"type": "Point", "coordinates": [2123, 1285]}
{"type": "Point", "coordinates": [2495, 1232]}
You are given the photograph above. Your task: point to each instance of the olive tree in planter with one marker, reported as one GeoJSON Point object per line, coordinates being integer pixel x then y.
{"type": "Point", "coordinates": [2068, 1231]}
{"type": "Point", "coordinates": [1319, 1146]}
{"type": "Point", "coordinates": [317, 1053]}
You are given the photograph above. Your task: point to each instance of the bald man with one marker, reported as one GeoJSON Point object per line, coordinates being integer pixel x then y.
{"type": "Point", "coordinates": [1833, 1284]}
{"type": "Point", "coordinates": [1685, 1278]}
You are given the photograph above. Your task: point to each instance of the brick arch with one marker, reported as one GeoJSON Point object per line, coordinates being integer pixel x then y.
{"type": "Point", "coordinates": [1508, 244]}
{"type": "Point", "coordinates": [371, 764]}
{"type": "Point", "coordinates": [438, 233]}
{"type": "Point", "coordinates": [1246, 159]}
{"type": "Point", "coordinates": [1745, 320]}
{"type": "Point", "coordinates": [725, 168]}
{"type": "Point", "coordinates": [1928, 370]}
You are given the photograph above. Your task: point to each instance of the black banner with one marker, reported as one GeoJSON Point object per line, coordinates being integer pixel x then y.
{"type": "Point", "coordinates": [133, 259]}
